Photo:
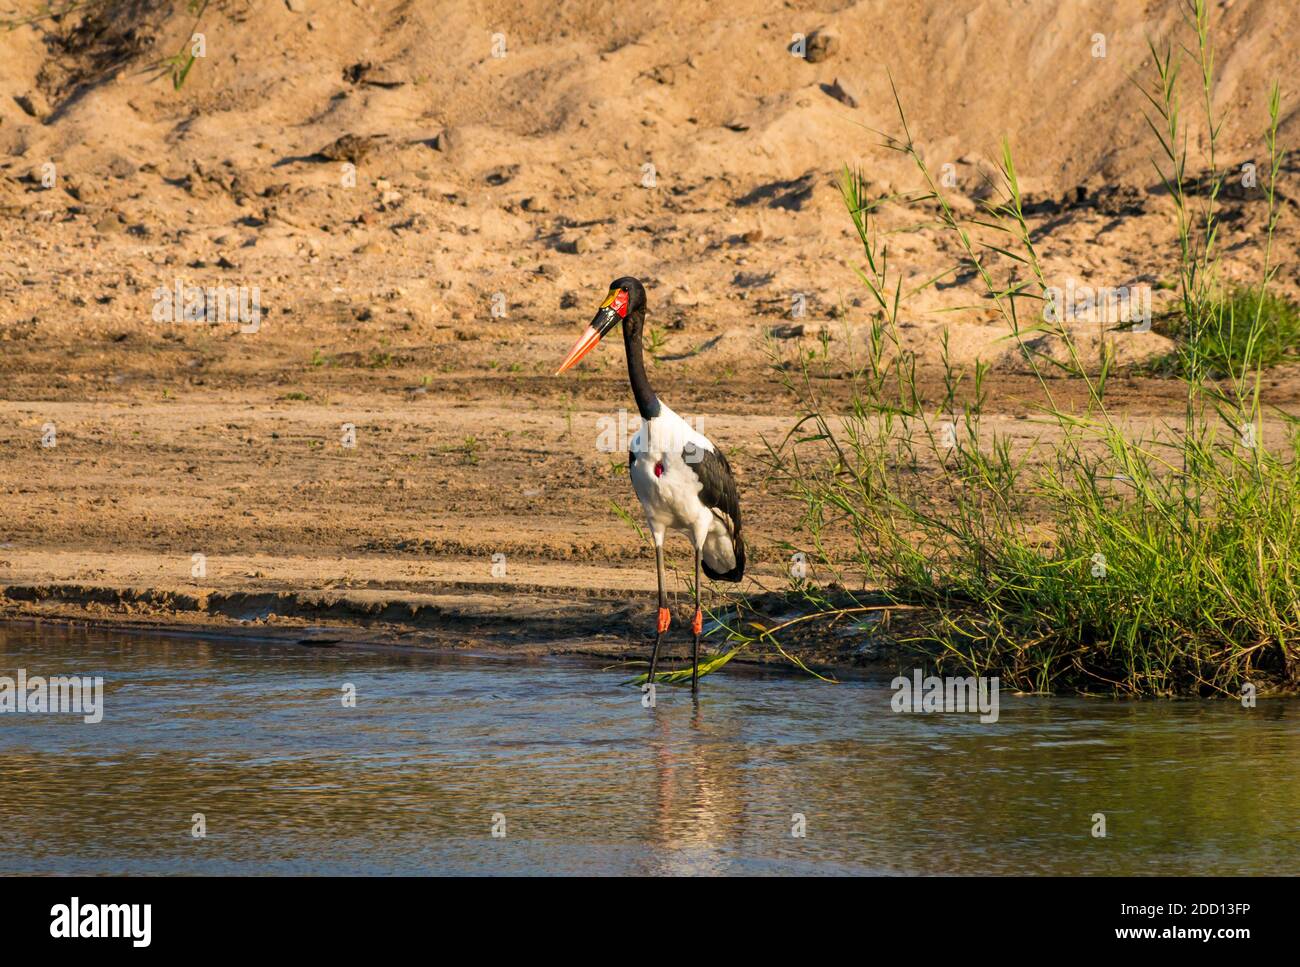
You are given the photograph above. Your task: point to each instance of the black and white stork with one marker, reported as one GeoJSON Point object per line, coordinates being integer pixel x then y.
{"type": "Point", "coordinates": [682, 480]}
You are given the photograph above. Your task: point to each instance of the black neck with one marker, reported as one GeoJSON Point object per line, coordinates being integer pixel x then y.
{"type": "Point", "coordinates": [646, 401]}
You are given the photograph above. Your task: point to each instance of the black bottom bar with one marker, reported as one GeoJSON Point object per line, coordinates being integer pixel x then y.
{"type": "Point", "coordinates": [949, 916]}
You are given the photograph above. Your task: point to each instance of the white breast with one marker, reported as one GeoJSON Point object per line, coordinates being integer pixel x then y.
{"type": "Point", "coordinates": [671, 497]}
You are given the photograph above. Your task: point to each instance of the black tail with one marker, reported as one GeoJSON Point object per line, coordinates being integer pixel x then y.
{"type": "Point", "coordinates": [737, 572]}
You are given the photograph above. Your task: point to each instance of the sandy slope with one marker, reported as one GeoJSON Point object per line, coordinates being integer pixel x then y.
{"type": "Point", "coordinates": [515, 182]}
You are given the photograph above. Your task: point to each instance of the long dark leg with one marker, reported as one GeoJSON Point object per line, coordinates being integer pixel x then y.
{"type": "Point", "coordinates": [665, 616]}
{"type": "Point", "coordinates": [697, 625]}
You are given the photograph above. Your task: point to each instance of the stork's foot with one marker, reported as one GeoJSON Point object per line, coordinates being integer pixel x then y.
{"type": "Point", "coordinates": [665, 619]}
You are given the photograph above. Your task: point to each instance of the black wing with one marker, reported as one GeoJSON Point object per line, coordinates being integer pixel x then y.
{"type": "Point", "coordinates": [719, 494]}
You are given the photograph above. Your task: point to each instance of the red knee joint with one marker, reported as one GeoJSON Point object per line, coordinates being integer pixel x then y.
{"type": "Point", "coordinates": [665, 619]}
{"type": "Point", "coordinates": [697, 623]}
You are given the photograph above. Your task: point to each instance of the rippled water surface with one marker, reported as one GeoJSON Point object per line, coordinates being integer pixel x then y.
{"type": "Point", "coordinates": [289, 780]}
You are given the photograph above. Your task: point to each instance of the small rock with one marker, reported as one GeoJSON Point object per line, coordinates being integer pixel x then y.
{"type": "Point", "coordinates": [349, 147]}
{"type": "Point", "coordinates": [111, 223]}
{"type": "Point", "coordinates": [443, 141]}
{"type": "Point", "coordinates": [296, 6]}
{"type": "Point", "coordinates": [536, 205]}
{"type": "Point", "coordinates": [570, 300]}
{"type": "Point", "coordinates": [120, 167]}
{"type": "Point", "coordinates": [822, 45]}
{"type": "Point", "coordinates": [581, 245]}
{"type": "Point", "coordinates": [356, 73]}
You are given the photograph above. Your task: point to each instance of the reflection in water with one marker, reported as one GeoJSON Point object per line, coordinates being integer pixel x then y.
{"type": "Point", "coordinates": [699, 796]}
{"type": "Point", "coordinates": [289, 780]}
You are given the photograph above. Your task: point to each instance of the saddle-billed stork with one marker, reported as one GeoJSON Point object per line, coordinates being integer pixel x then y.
{"type": "Point", "coordinates": [683, 482]}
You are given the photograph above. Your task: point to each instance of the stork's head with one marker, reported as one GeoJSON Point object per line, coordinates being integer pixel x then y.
{"type": "Point", "coordinates": [626, 298]}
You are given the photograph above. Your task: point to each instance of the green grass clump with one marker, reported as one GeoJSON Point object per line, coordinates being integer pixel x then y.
{"type": "Point", "coordinates": [1096, 558]}
{"type": "Point", "coordinates": [1244, 328]}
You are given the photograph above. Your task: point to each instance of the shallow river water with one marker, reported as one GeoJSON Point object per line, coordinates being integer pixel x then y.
{"type": "Point", "coordinates": [441, 752]}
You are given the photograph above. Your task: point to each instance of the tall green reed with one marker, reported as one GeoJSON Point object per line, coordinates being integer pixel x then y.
{"type": "Point", "coordinates": [1098, 558]}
